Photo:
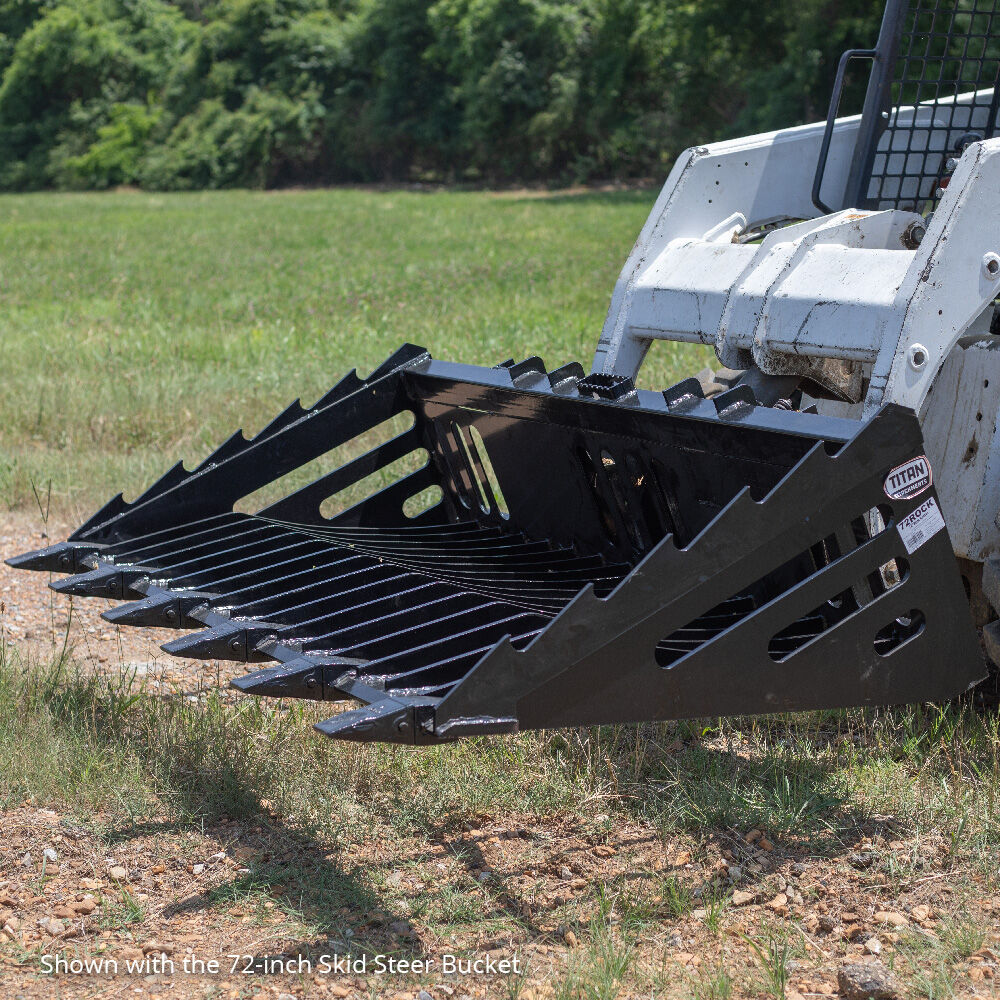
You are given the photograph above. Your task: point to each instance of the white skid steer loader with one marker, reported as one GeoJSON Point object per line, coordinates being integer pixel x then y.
{"type": "Point", "coordinates": [814, 525]}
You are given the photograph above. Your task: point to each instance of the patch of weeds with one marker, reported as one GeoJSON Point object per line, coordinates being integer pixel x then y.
{"type": "Point", "coordinates": [458, 906]}
{"type": "Point", "coordinates": [773, 953]}
{"type": "Point", "coordinates": [935, 984]}
{"type": "Point", "coordinates": [961, 937]}
{"type": "Point", "coordinates": [677, 897]}
{"type": "Point", "coordinates": [126, 911]}
{"type": "Point", "coordinates": [514, 983]}
{"type": "Point", "coordinates": [599, 972]}
{"type": "Point", "coordinates": [714, 985]}
{"type": "Point", "coordinates": [715, 907]}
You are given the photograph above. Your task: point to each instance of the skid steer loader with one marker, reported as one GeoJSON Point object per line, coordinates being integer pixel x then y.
{"type": "Point", "coordinates": [815, 525]}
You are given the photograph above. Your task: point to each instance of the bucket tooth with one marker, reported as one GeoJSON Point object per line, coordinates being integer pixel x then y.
{"type": "Point", "coordinates": [108, 580]}
{"type": "Point", "coordinates": [164, 610]}
{"type": "Point", "coordinates": [225, 641]}
{"type": "Point", "coordinates": [684, 395]}
{"type": "Point", "coordinates": [302, 678]}
{"type": "Point", "coordinates": [386, 721]}
{"type": "Point", "coordinates": [64, 557]}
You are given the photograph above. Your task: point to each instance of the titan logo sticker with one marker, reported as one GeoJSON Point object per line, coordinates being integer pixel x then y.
{"type": "Point", "coordinates": [909, 479]}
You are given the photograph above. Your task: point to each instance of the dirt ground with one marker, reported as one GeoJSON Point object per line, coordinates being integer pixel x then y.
{"type": "Point", "coordinates": [166, 896]}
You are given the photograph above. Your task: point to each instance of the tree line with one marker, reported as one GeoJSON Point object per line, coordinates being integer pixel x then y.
{"type": "Point", "coordinates": [264, 93]}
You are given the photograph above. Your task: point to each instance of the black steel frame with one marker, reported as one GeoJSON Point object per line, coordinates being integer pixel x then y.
{"type": "Point", "coordinates": [598, 554]}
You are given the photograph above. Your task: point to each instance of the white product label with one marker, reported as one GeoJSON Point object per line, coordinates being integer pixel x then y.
{"type": "Point", "coordinates": [920, 525]}
{"type": "Point", "coordinates": [909, 479]}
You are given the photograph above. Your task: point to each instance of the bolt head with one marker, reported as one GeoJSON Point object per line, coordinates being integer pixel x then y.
{"type": "Point", "coordinates": [917, 356]}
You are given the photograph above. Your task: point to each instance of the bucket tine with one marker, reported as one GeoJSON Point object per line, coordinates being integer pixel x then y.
{"type": "Point", "coordinates": [108, 580]}
{"type": "Point", "coordinates": [166, 609]}
{"type": "Point", "coordinates": [63, 557]}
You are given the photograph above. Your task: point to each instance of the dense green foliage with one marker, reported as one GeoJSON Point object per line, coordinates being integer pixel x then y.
{"type": "Point", "coordinates": [219, 93]}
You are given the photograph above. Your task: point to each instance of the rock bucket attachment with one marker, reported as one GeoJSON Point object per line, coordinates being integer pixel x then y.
{"type": "Point", "coordinates": [579, 552]}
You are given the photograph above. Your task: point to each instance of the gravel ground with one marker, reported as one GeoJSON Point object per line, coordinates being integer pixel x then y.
{"type": "Point", "coordinates": [38, 622]}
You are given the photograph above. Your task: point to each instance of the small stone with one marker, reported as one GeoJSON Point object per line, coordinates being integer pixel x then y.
{"type": "Point", "coordinates": [49, 854]}
{"type": "Point", "coordinates": [765, 845]}
{"type": "Point", "coordinates": [85, 905]}
{"type": "Point", "coordinates": [779, 904]}
{"type": "Point", "coordinates": [424, 995]}
{"type": "Point", "coordinates": [26, 860]}
{"type": "Point", "coordinates": [863, 859]}
{"type": "Point", "coordinates": [400, 927]}
{"type": "Point", "coordinates": [12, 923]}
{"type": "Point", "coordinates": [753, 836]}
{"type": "Point", "coordinates": [920, 912]}
{"type": "Point", "coordinates": [336, 990]}
{"type": "Point", "coordinates": [827, 924]}
{"type": "Point", "coordinates": [52, 926]}
{"type": "Point", "coordinates": [197, 869]}
{"type": "Point", "coordinates": [285, 996]}
{"type": "Point", "coordinates": [118, 873]}
{"type": "Point", "coordinates": [158, 869]}
{"type": "Point", "coordinates": [867, 981]}
{"type": "Point", "coordinates": [570, 938]}
{"type": "Point", "coordinates": [64, 912]}
{"type": "Point", "coordinates": [873, 946]}
{"type": "Point", "coordinates": [735, 872]}
{"type": "Point", "coordinates": [890, 917]}
{"type": "Point", "coordinates": [741, 898]}
{"type": "Point", "coordinates": [604, 851]}
{"type": "Point", "coordinates": [565, 873]}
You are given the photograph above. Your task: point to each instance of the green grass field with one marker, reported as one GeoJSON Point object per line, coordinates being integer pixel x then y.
{"type": "Point", "coordinates": [138, 329]}
{"type": "Point", "coordinates": [141, 329]}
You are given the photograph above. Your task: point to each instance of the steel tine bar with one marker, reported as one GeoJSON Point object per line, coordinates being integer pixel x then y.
{"type": "Point", "coordinates": [171, 553]}
{"type": "Point", "coordinates": [166, 536]}
{"type": "Point", "coordinates": [312, 595]}
{"type": "Point", "coordinates": [475, 623]}
{"type": "Point", "coordinates": [459, 529]}
{"type": "Point", "coordinates": [264, 573]}
{"type": "Point", "coordinates": [392, 586]}
{"type": "Point", "coordinates": [297, 614]}
{"type": "Point", "coordinates": [312, 575]}
{"type": "Point", "coordinates": [375, 623]}
{"type": "Point", "coordinates": [258, 553]}
{"type": "Point", "coordinates": [358, 615]}
{"type": "Point", "coordinates": [415, 658]}
{"type": "Point", "coordinates": [448, 670]}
